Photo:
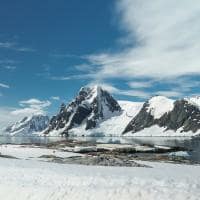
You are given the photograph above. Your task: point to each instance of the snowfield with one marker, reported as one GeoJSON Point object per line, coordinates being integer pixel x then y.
{"type": "Point", "coordinates": [195, 101]}
{"type": "Point", "coordinates": [156, 131]}
{"type": "Point", "coordinates": [34, 180]}
{"type": "Point", "coordinates": [159, 105]}
{"type": "Point", "coordinates": [114, 123]}
{"type": "Point", "coordinates": [31, 125]}
{"type": "Point", "coordinates": [32, 153]}
{"type": "Point", "coordinates": [114, 126]}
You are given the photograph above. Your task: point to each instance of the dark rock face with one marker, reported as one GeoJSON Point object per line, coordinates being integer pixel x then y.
{"type": "Point", "coordinates": [142, 120]}
{"type": "Point", "coordinates": [90, 107]}
{"type": "Point", "coordinates": [184, 115]}
{"type": "Point", "coordinates": [28, 125]}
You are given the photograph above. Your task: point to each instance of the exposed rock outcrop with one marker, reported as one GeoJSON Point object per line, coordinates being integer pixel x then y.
{"type": "Point", "coordinates": [183, 116]}
{"type": "Point", "coordinates": [28, 125]}
{"type": "Point", "coordinates": [90, 107]}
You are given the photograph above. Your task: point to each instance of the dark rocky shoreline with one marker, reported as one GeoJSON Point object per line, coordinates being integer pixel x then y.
{"type": "Point", "coordinates": [103, 154]}
{"type": "Point", "coordinates": [117, 154]}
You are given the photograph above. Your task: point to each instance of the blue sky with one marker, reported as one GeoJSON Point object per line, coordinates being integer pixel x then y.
{"type": "Point", "coordinates": [50, 33]}
{"type": "Point", "coordinates": [135, 49]}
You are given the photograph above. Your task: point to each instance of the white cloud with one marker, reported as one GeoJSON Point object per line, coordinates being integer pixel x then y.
{"type": "Point", "coordinates": [9, 67]}
{"type": "Point", "coordinates": [140, 84]}
{"type": "Point", "coordinates": [59, 55]}
{"type": "Point", "coordinates": [176, 92]}
{"type": "Point", "coordinates": [108, 87]}
{"type": "Point", "coordinates": [56, 98]}
{"type": "Point", "coordinates": [70, 77]}
{"type": "Point", "coordinates": [9, 115]}
{"type": "Point", "coordinates": [6, 118]}
{"type": "Point", "coordinates": [161, 43]}
{"type": "Point", "coordinates": [14, 46]}
{"type": "Point", "coordinates": [114, 90]}
{"type": "Point", "coordinates": [169, 93]}
{"type": "Point", "coordinates": [31, 106]}
{"type": "Point", "coordinates": [163, 38]}
{"type": "Point", "coordinates": [4, 85]}
{"type": "Point", "coordinates": [7, 45]}
{"type": "Point", "coordinates": [8, 62]}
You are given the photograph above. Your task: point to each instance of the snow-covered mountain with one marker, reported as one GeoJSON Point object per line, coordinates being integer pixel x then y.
{"type": "Point", "coordinates": [94, 112]}
{"type": "Point", "coordinates": [114, 125]}
{"type": "Point", "coordinates": [162, 116]}
{"type": "Point", "coordinates": [28, 125]}
{"type": "Point", "coordinates": [92, 106]}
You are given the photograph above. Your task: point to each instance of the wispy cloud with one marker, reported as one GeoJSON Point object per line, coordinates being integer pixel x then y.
{"type": "Point", "coordinates": [72, 77]}
{"type": "Point", "coordinates": [60, 55]}
{"type": "Point", "coordinates": [7, 45]}
{"type": "Point", "coordinates": [140, 84]}
{"type": "Point", "coordinates": [31, 106]}
{"type": "Point", "coordinates": [9, 67]}
{"type": "Point", "coordinates": [6, 118]}
{"type": "Point", "coordinates": [161, 45]}
{"type": "Point", "coordinates": [114, 90]}
{"type": "Point", "coordinates": [56, 98]}
{"type": "Point", "coordinates": [9, 115]}
{"type": "Point", "coordinates": [24, 49]}
{"type": "Point", "coordinates": [8, 61]}
{"type": "Point", "coordinates": [2, 85]}
{"type": "Point", "coordinates": [143, 90]}
{"type": "Point", "coordinates": [15, 46]}
{"type": "Point", "coordinates": [163, 42]}
{"type": "Point", "coordinates": [169, 93]}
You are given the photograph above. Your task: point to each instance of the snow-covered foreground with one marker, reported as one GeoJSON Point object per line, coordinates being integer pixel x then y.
{"type": "Point", "coordinates": [34, 180]}
{"type": "Point", "coordinates": [32, 153]}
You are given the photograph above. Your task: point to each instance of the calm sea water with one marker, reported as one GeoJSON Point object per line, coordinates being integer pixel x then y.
{"type": "Point", "coordinates": [189, 143]}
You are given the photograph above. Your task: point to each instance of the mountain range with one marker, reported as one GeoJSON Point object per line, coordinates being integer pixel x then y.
{"type": "Point", "coordinates": [95, 112]}
{"type": "Point", "coordinates": [28, 125]}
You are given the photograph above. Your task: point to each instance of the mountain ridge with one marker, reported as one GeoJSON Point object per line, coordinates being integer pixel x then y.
{"type": "Point", "coordinates": [90, 107]}
{"type": "Point", "coordinates": [95, 112]}
{"type": "Point", "coordinates": [28, 125]}
{"type": "Point", "coordinates": [180, 116]}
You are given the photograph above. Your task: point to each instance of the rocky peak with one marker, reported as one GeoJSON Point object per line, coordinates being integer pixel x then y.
{"type": "Point", "coordinates": [90, 106]}
{"type": "Point", "coordinates": [182, 115]}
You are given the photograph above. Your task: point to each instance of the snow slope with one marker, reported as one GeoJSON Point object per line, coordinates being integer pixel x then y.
{"type": "Point", "coordinates": [159, 105]}
{"type": "Point", "coordinates": [28, 125]}
{"type": "Point", "coordinates": [161, 116]}
{"type": "Point", "coordinates": [32, 153]}
{"type": "Point", "coordinates": [113, 126]}
{"type": "Point", "coordinates": [33, 180]}
{"type": "Point", "coordinates": [156, 131]}
{"type": "Point", "coordinates": [195, 101]}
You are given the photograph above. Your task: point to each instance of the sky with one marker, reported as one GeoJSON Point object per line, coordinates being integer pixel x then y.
{"type": "Point", "coordinates": [133, 48]}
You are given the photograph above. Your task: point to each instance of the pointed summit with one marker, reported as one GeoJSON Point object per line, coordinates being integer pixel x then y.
{"type": "Point", "coordinates": [91, 106]}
